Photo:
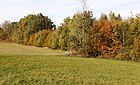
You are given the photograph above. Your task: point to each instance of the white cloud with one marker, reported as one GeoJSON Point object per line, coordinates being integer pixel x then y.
{"type": "Point", "coordinates": [123, 7]}
{"type": "Point", "coordinates": [57, 10]}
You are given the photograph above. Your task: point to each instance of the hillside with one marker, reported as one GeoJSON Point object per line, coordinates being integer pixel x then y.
{"type": "Point", "coordinates": [16, 49]}
{"type": "Point", "coordinates": [27, 65]}
{"type": "Point", "coordinates": [61, 70]}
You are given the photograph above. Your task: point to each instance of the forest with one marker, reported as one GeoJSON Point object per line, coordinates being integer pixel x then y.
{"type": "Point", "coordinates": [83, 35]}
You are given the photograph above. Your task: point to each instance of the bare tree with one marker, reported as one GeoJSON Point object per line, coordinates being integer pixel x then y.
{"type": "Point", "coordinates": [84, 5]}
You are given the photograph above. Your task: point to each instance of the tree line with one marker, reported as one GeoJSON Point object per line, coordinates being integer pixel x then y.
{"type": "Point", "coordinates": [110, 36]}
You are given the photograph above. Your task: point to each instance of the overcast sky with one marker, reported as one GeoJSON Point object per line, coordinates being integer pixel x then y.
{"type": "Point", "coordinates": [57, 10]}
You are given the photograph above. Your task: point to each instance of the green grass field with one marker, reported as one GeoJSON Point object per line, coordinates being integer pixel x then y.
{"type": "Point", "coordinates": [62, 70]}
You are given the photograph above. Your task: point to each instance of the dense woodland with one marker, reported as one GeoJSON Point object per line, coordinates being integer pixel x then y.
{"type": "Point", "coordinates": [110, 36]}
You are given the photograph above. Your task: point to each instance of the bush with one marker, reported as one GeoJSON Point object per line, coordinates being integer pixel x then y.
{"type": "Point", "coordinates": [2, 35]}
{"type": "Point", "coordinates": [39, 38]}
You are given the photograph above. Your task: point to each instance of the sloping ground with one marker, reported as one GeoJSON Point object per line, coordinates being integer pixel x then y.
{"type": "Point", "coordinates": [61, 70]}
{"type": "Point", "coordinates": [16, 49]}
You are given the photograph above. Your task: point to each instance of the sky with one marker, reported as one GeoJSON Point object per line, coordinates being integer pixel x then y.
{"type": "Point", "coordinates": [57, 10]}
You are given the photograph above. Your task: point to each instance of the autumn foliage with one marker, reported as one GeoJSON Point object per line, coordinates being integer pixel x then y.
{"type": "Point", "coordinates": [83, 35]}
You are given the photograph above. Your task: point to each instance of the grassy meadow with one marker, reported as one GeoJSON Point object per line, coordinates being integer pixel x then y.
{"type": "Point", "coordinates": [26, 65]}
{"type": "Point", "coordinates": [16, 49]}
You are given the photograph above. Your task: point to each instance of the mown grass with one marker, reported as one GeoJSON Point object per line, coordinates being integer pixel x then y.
{"type": "Point", "coordinates": [62, 70]}
{"type": "Point", "coordinates": [16, 49]}
{"type": "Point", "coordinates": [27, 65]}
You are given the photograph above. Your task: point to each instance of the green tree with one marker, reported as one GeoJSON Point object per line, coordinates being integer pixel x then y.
{"type": "Point", "coordinates": [63, 31]}
{"type": "Point", "coordinates": [32, 24]}
{"type": "Point", "coordinates": [80, 30]}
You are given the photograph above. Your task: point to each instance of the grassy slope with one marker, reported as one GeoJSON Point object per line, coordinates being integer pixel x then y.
{"type": "Point", "coordinates": [27, 65]}
{"type": "Point", "coordinates": [60, 70]}
{"type": "Point", "coordinates": [15, 49]}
